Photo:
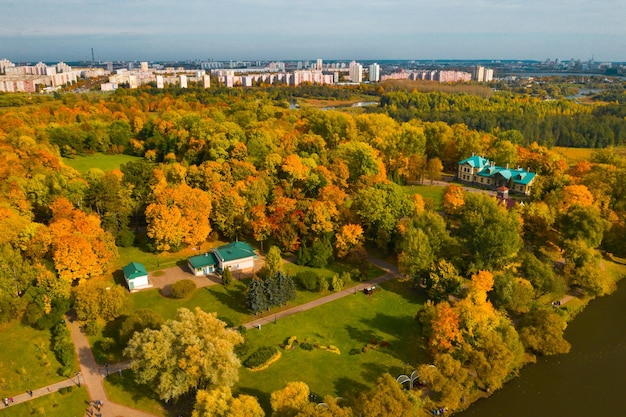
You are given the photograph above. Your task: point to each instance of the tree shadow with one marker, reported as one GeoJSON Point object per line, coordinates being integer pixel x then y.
{"type": "Point", "coordinates": [361, 336]}
{"type": "Point", "coordinates": [349, 388]}
{"type": "Point", "coordinates": [126, 382]}
{"type": "Point", "coordinates": [234, 299]}
{"type": "Point", "coordinates": [372, 370]}
{"type": "Point", "coordinates": [405, 289]}
{"type": "Point", "coordinates": [118, 277]}
{"type": "Point", "coordinates": [404, 335]}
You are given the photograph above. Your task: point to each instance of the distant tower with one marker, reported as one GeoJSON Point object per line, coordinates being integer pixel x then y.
{"type": "Point", "coordinates": [93, 59]}
{"type": "Point", "coordinates": [319, 64]}
{"type": "Point", "coordinates": [374, 73]}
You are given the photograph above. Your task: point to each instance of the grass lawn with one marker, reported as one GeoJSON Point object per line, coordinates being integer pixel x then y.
{"type": "Point", "coordinates": [122, 389]}
{"type": "Point", "coordinates": [25, 359]}
{"type": "Point", "coordinates": [72, 404]}
{"type": "Point", "coordinates": [102, 161]}
{"type": "Point", "coordinates": [349, 323]}
{"type": "Point", "coordinates": [432, 192]}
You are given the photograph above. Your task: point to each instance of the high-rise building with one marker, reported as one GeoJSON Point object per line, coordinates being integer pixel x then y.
{"type": "Point", "coordinates": [374, 73]}
{"type": "Point", "coordinates": [356, 72]}
{"type": "Point", "coordinates": [319, 64]}
{"type": "Point", "coordinates": [183, 81]}
{"type": "Point", "coordinates": [144, 66]}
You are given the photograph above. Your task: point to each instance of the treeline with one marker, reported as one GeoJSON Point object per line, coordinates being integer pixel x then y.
{"type": "Point", "coordinates": [548, 123]}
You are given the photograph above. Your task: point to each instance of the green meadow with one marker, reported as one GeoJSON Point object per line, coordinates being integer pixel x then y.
{"type": "Point", "coordinates": [102, 161]}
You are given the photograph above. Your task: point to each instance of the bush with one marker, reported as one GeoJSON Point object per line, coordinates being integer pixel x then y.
{"type": "Point", "coordinates": [307, 280]}
{"type": "Point", "coordinates": [322, 283]}
{"type": "Point", "coordinates": [336, 283]}
{"type": "Point", "coordinates": [107, 344]}
{"type": "Point", "coordinates": [290, 342]}
{"type": "Point", "coordinates": [92, 327]}
{"type": "Point", "coordinates": [137, 321]}
{"type": "Point", "coordinates": [260, 357]}
{"type": "Point", "coordinates": [183, 288]}
{"type": "Point", "coordinates": [63, 348]}
{"type": "Point", "coordinates": [355, 351]}
{"type": "Point", "coordinates": [306, 346]}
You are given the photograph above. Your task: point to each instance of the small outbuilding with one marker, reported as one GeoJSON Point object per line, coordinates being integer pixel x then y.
{"type": "Point", "coordinates": [136, 276]}
{"type": "Point", "coordinates": [203, 264]}
{"type": "Point", "coordinates": [236, 256]}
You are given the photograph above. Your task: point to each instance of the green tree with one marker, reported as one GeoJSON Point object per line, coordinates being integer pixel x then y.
{"type": "Point", "coordinates": [443, 279]}
{"type": "Point", "coordinates": [490, 232]}
{"type": "Point", "coordinates": [227, 277]}
{"type": "Point", "coordinates": [256, 297]}
{"type": "Point", "coordinates": [417, 254]}
{"type": "Point", "coordinates": [583, 223]}
{"type": "Point", "coordinates": [542, 332]}
{"type": "Point", "coordinates": [541, 276]}
{"type": "Point", "coordinates": [273, 261]}
{"type": "Point", "coordinates": [137, 321]}
{"type": "Point", "coordinates": [195, 351]}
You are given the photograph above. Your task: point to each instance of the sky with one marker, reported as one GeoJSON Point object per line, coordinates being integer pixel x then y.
{"type": "Point", "coordinates": [157, 30]}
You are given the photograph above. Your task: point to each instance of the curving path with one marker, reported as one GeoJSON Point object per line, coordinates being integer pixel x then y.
{"type": "Point", "coordinates": [92, 376]}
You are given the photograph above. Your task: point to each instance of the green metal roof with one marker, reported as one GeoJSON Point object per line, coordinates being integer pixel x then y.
{"type": "Point", "coordinates": [134, 270]}
{"type": "Point", "coordinates": [200, 261]}
{"type": "Point", "coordinates": [234, 250]}
{"type": "Point", "coordinates": [475, 161]}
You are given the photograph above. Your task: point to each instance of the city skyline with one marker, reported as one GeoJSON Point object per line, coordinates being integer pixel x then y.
{"type": "Point", "coordinates": [287, 30]}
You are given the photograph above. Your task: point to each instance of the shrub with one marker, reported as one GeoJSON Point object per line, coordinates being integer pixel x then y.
{"type": "Point", "coordinates": [330, 348]}
{"type": "Point", "coordinates": [260, 357]}
{"type": "Point", "coordinates": [306, 346]}
{"type": "Point", "coordinates": [336, 283]}
{"type": "Point", "coordinates": [107, 344]}
{"type": "Point", "coordinates": [137, 321]}
{"type": "Point", "coordinates": [322, 283]}
{"type": "Point", "coordinates": [307, 280]}
{"type": "Point", "coordinates": [183, 288]}
{"type": "Point", "coordinates": [355, 351]}
{"type": "Point", "coordinates": [290, 343]}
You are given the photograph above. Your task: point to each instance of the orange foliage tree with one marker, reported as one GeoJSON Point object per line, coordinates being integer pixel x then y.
{"type": "Point", "coordinates": [80, 248]}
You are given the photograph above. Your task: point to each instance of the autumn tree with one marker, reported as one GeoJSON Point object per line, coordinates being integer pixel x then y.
{"type": "Point", "coordinates": [193, 352]}
{"type": "Point", "coordinates": [219, 402]}
{"type": "Point", "coordinates": [178, 215]}
{"type": "Point", "coordinates": [97, 299]}
{"type": "Point", "coordinates": [81, 249]}
{"type": "Point", "coordinates": [288, 401]}
{"type": "Point", "coordinates": [385, 399]}
{"type": "Point", "coordinates": [453, 199]}
{"type": "Point", "coordinates": [348, 237]}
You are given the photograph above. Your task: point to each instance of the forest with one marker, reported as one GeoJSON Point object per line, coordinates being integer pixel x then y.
{"type": "Point", "coordinates": [322, 186]}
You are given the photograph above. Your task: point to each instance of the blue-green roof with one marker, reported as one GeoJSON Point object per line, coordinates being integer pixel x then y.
{"type": "Point", "coordinates": [200, 261]}
{"type": "Point", "coordinates": [475, 161]}
{"type": "Point", "coordinates": [234, 250]}
{"type": "Point", "coordinates": [134, 270]}
{"type": "Point", "coordinates": [520, 176]}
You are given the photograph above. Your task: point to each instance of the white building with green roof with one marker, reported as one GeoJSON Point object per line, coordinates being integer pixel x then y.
{"type": "Point", "coordinates": [136, 276]}
{"type": "Point", "coordinates": [237, 256]}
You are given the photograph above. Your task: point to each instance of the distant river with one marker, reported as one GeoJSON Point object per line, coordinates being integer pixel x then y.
{"type": "Point", "coordinates": [588, 381]}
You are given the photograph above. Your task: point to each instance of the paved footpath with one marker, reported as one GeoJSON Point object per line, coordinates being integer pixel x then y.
{"type": "Point", "coordinates": [92, 377]}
